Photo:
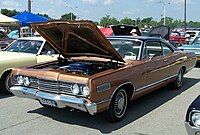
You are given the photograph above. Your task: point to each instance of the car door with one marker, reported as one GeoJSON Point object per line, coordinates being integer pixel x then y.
{"type": "Point", "coordinates": [47, 54]}
{"type": "Point", "coordinates": [174, 59]}
{"type": "Point", "coordinates": [157, 69]}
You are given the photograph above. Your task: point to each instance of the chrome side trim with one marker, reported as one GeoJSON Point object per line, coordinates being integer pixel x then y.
{"type": "Point", "coordinates": [61, 100]}
{"type": "Point", "coordinates": [155, 83]}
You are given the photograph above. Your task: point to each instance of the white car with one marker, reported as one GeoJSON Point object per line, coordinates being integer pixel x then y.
{"type": "Point", "coordinates": [192, 35]}
{"type": "Point", "coordinates": [22, 52]}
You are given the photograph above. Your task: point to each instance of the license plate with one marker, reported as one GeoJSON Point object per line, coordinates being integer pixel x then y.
{"type": "Point", "coordinates": [48, 102]}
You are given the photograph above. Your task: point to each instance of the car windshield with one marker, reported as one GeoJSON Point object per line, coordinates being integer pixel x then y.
{"type": "Point", "coordinates": [25, 46]}
{"type": "Point", "coordinates": [128, 49]}
{"type": "Point", "coordinates": [196, 41]}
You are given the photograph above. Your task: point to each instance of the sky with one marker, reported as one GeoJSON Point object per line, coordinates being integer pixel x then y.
{"type": "Point", "coordinates": [96, 9]}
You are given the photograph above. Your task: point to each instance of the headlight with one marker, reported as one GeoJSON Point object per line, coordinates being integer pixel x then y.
{"type": "Point", "coordinates": [20, 80]}
{"type": "Point", "coordinates": [26, 81]}
{"type": "Point", "coordinates": [75, 89]}
{"type": "Point", "coordinates": [85, 91]}
{"type": "Point", "coordinates": [196, 119]}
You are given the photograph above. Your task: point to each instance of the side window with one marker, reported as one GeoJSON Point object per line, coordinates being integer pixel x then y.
{"type": "Point", "coordinates": [166, 49]}
{"type": "Point", "coordinates": [152, 49]}
{"type": "Point", "coordinates": [47, 49]}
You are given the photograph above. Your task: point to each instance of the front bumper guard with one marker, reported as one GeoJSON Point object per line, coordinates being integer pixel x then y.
{"type": "Point", "coordinates": [61, 100]}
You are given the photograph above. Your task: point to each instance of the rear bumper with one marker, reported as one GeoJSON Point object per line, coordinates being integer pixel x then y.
{"type": "Point", "coordinates": [191, 130]}
{"type": "Point", "coordinates": [61, 100]}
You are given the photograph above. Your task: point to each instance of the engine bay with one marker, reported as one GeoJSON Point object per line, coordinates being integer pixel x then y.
{"type": "Point", "coordinates": [82, 67]}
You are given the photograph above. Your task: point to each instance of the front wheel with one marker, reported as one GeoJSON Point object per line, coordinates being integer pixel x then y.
{"type": "Point", "coordinates": [6, 83]}
{"type": "Point", "coordinates": [118, 106]}
{"type": "Point", "coordinates": [179, 80]}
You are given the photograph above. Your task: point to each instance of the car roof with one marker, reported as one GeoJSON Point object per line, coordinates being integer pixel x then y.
{"type": "Point", "coordinates": [143, 38]}
{"type": "Point", "coordinates": [32, 38]}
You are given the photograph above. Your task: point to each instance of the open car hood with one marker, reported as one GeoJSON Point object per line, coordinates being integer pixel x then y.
{"type": "Point", "coordinates": [77, 38]}
{"type": "Point", "coordinates": [161, 31]}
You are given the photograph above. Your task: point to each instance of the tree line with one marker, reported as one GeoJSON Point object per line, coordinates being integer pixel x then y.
{"type": "Point", "coordinates": [108, 20]}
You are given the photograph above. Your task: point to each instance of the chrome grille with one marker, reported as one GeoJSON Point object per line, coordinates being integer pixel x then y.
{"type": "Point", "coordinates": [51, 86]}
{"type": "Point", "coordinates": [65, 87]}
{"type": "Point", "coordinates": [48, 85]}
{"type": "Point", "coordinates": [34, 82]}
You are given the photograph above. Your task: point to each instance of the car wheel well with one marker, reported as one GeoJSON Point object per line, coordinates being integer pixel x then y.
{"type": "Point", "coordinates": [184, 69]}
{"type": "Point", "coordinates": [129, 88]}
{"type": "Point", "coordinates": [5, 73]}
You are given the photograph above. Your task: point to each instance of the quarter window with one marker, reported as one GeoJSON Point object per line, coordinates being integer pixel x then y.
{"type": "Point", "coordinates": [166, 49]}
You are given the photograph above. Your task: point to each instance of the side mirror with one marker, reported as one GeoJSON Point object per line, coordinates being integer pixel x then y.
{"type": "Point", "coordinates": [151, 55]}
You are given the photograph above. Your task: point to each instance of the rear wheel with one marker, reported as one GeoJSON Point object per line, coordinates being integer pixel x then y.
{"type": "Point", "coordinates": [6, 83]}
{"type": "Point", "coordinates": [179, 80]}
{"type": "Point", "coordinates": [118, 106]}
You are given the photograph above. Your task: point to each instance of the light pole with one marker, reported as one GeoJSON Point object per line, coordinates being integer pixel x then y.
{"type": "Point", "coordinates": [164, 10]}
{"type": "Point", "coordinates": [185, 15]}
{"type": "Point", "coordinates": [29, 5]}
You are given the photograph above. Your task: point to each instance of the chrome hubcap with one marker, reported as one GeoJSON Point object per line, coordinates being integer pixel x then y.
{"type": "Point", "coordinates": [179, 79]}
{"type": "Point", "coordinates": [120, 103]}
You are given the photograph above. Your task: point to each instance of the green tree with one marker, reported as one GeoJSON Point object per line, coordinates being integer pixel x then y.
{"type": "Point", "coordinates": [193, 24]}
{"type": "Point", "coordinates": [9, 13]}
{"type": "Point", "coordinates": [127, 21]}
{"type": "Point", "coordinates": [107, 21]}
{"type": "Point", "coordinates": [44, 15]}
{"type": "Point", "coordinates": [96, 23]}
{"type": "Point", "coordinates": [68, 16]}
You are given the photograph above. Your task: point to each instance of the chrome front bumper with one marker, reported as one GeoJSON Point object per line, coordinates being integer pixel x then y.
{"type": "Point", "coordinates": [192, 130]}
{"type": "Point", "coordinates": [61, 100]}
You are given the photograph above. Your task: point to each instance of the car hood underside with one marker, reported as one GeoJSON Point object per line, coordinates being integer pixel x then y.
{"type": "Point", "coordinates": [77, 38]}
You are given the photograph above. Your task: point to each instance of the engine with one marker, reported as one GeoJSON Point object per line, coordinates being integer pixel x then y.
{"type": "Point", "coordinates": [77, 67]}
{"type": "Point", "coordinates": [85, 68]}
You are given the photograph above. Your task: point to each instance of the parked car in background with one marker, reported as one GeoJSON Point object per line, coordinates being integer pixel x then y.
{"type": "Point", "coordinates": [14, 34]}
{"type": "Point", "coordinates": [193, 47]}
{"type": "Point", "coordinates": [192, 35]}
{"type": "Point", "coordinates": [98, 74]}
{"type": "Point", "coordinates": [21, 52]}
{"type": "Point", "coordinates": [4, 40]}
{"type": "Point", "coordinates": [192, 122]}
{"type": "Point", "coordinates": [176, 38]}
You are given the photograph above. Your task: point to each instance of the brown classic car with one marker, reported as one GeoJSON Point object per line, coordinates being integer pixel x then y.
{"type": "Point", "coordinates": [96, 74]}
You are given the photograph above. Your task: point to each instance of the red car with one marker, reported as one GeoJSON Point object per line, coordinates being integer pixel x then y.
{"type": "Point", "coordinates": [176, 38]}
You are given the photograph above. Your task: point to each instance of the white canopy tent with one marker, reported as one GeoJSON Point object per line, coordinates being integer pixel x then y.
{"type": "Point", "coordinates": [8, 21]}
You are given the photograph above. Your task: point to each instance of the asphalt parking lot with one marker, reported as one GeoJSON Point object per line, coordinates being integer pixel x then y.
{"type": "Point", "coordinates": [159, 113]}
